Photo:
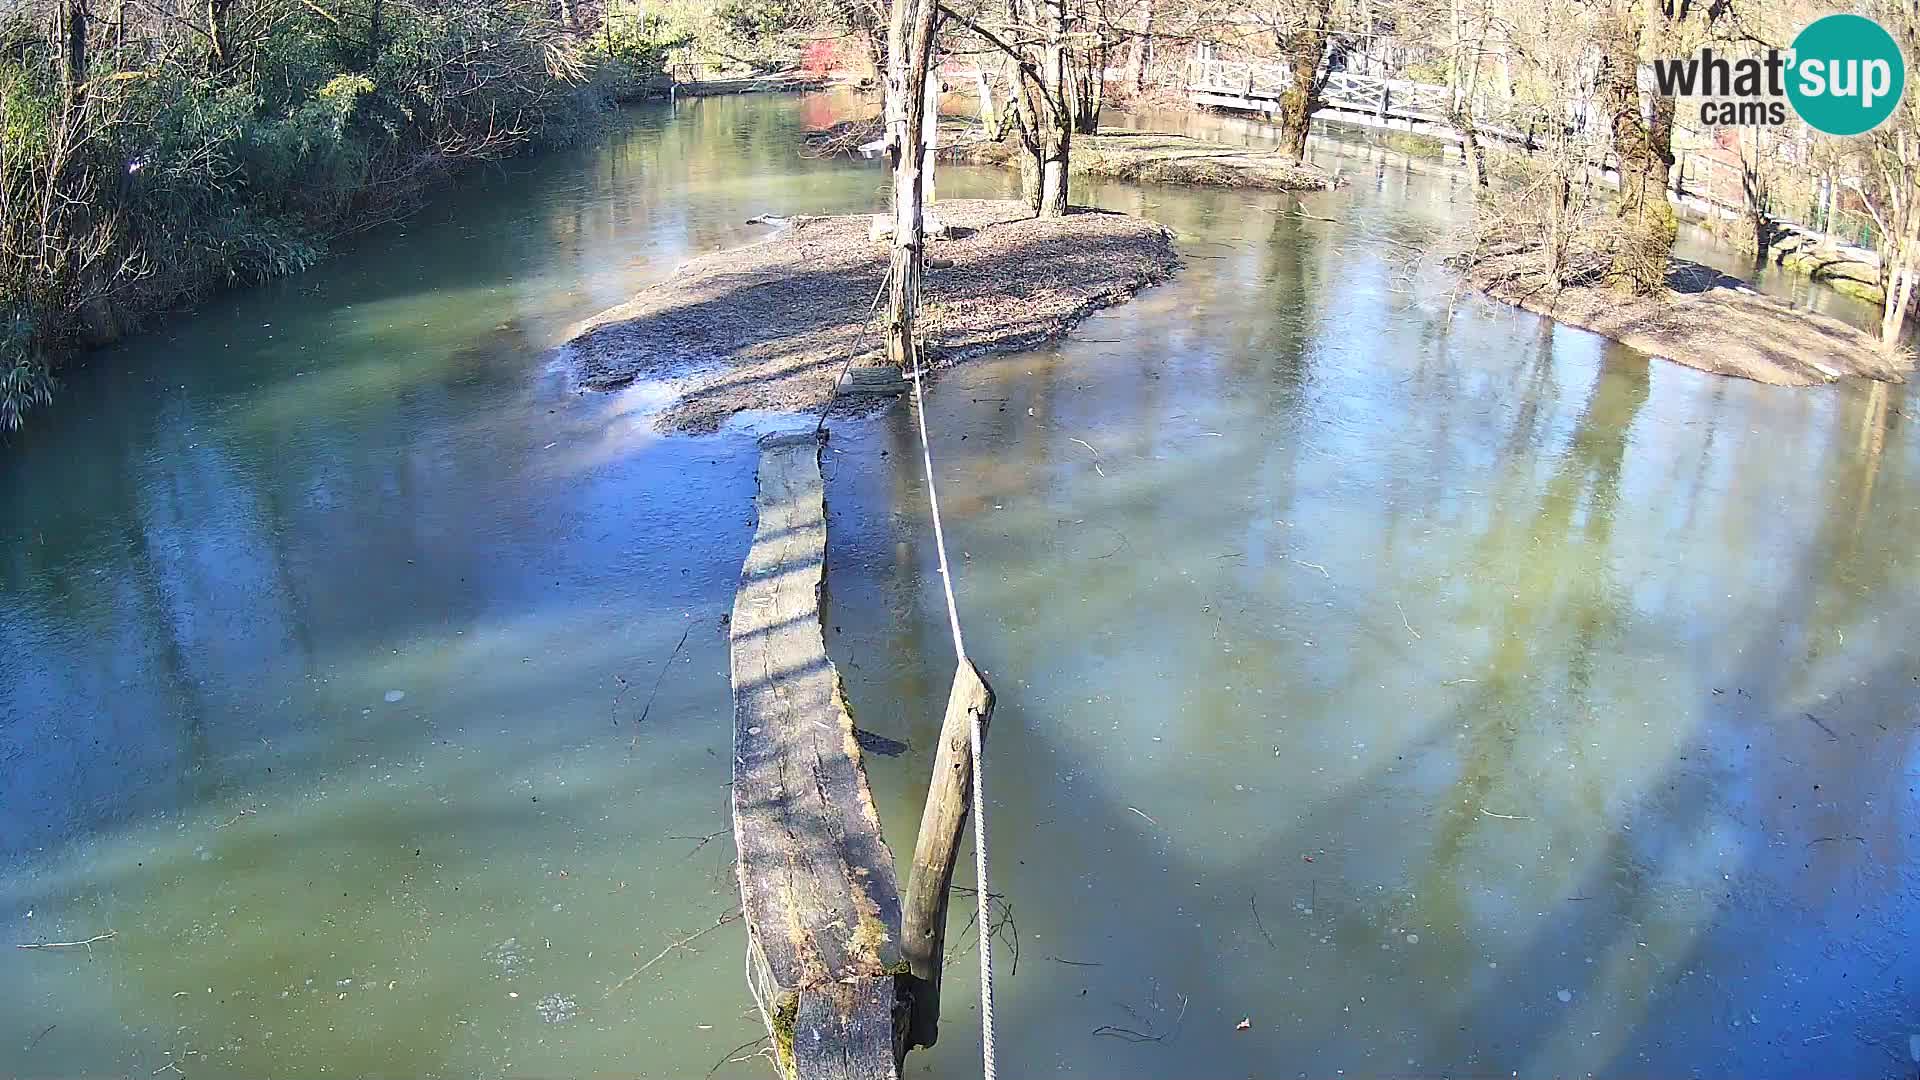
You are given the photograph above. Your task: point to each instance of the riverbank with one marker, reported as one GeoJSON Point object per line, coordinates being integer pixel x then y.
{"type": "Point", "coordinates": [1159, 157]}
{"type": "Point", "coordinates": [772, 325]}
{"type": "Point", "coordinates": [1705, 320]}
{"type": "Point", "coordinates": [166, 182]}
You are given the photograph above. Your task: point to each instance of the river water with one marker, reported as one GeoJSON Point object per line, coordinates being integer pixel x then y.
{"type": "Point", "coordinates": [1383, 690]}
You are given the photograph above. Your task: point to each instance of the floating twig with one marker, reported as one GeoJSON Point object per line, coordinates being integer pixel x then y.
{"type": "Point", "coordinates": [37, 1038]}
{"type": "Point", "coordinates": [701, 841]}
{"type": "Point", "coordinates": [236, 817]}
{"type": "Point", "coordinates": [729, 1057]}
{"type": "Point", "coordinates": [1131, 1035]}
{"type": "Point", "coordinates": [1822, 725]}
{"type": "Point", "coordinates": [1076, 963]}
{"type": "Point", "coordinates": [1254, 903]}
{"type": "Point", "coordinates": [1143, 814]}
{"type": "Point", "coordinates": [87, 944]}
{"type": "Point", "coordinates": [1096, 454]}
{"type": "Point", "coordinates": [1504, 817]}
{"type": "Point", "coordinates": [1405, 622]}
{"type": "Point", "coordinates": [662, 677]}
{"type": "Point", "coordinates": [732, 915]}
{"type": "Point", "coordinates": [1000, 925]}
{"type": "Point", "coordinates": [1314, 566]}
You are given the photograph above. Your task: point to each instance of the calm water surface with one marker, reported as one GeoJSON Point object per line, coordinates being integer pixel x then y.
{"type": "Point", "coordinates": [1440, 692]}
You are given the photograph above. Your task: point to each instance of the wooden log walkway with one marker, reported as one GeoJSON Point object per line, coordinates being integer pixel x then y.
{"type": "Point", "coordinates": [817, 882]}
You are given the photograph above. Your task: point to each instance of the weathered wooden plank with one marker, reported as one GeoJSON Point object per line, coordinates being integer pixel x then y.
{"type": "Point", "coordinates": [817, 882]}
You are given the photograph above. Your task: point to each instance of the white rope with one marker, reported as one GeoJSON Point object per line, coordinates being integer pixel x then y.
{"type": "Point", "coordinates": [979, 759]}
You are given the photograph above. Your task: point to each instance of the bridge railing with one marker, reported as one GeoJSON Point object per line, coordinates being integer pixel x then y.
{"type": "Point", "coordinates": [1374, 95]}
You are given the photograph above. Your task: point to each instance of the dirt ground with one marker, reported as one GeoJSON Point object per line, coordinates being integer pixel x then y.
{"type": "Point", "coordinates": [772, 325]}
{"type": "Point", "coordinates": [1705, 320]}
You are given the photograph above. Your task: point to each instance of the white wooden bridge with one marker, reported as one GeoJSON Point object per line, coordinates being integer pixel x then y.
{"type": "Point", "coordinates": [1347, 97]}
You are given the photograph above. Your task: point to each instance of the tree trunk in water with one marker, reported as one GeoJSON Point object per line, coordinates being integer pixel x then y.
{"type": "Point", "coordinates": [909, 49]}
{"type": "Point", "coordinates": [1303, 48]}
{"type": "Point", "coordinates": [76, 49]}
{"type": "Point", "coordinates": [1643, 243]}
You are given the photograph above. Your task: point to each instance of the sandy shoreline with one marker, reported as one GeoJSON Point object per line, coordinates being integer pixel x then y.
{"type": "Point", "coordinates": [1705, 320]}
{"type": "Point", "coordinates": [772, 325]}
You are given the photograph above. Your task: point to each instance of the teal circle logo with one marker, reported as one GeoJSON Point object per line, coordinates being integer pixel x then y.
{"type": "Point", "coordinates": [1847, 75]}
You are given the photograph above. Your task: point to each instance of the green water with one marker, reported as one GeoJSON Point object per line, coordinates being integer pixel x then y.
{"type": "Point", "coordinates": [1440, 693]}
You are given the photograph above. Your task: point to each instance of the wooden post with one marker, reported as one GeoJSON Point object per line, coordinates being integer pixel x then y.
{"type": "Point", "coordinates": [923, 928]}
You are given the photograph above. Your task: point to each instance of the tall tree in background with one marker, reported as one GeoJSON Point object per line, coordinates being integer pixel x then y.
{"type": "Point", "coordinates": [1033, 35]}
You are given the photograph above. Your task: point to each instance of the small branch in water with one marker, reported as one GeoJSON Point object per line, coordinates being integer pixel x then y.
{"type": "Point", "coordinates": [1130, 1035]}
{"type": "Point", "coordinates": [1404, 621]}
{"type": "Point", "coordinates": [1822, 725]}
{"type": "Point", "coordinates": [87, 944]}
{"type": "Point", "coordinates": [730, 1057]}
{"type": "Point", "coordinates": [1076, 963]}
{"type": "Point", "coordinates": [1504, 817]}
{"type": "Point", "coordinates": [1314, 566]}
{"type": "Point", "coordinates": [1000, 924]}
{"type": "Point", "coordinates": [731, 915]}
{"type": "Point", "coordinates": [1254, 903]}
{"type": "Point", "coordinates": [37, 1038]}
{"type": "Point", "coordinates": [1143, 814]}
{"type": "Point", "coordinates": [662, 677]}
{"type": "Point", "coordinates": [236, 817]}
{"type": "Point", "coordinates": [1096, 454]}
{"type": "Point", "coordinates": [703, 841]}
{"type": "Point", "coordinates": [1457, 682]}
{"type": "Point", "coordinates": [1831, 839]}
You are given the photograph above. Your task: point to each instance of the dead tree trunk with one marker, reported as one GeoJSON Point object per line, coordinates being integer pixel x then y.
{"type": "Point", "coordinates": [909, 52]}
{"type": "Point", "coordinates": [1303, 46]}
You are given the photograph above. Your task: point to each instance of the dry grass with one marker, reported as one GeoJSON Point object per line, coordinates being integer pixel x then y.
{"type": "Point", "coordinates": [1154, 157]}
{"type": "Point", "coordinates": [771, 325]}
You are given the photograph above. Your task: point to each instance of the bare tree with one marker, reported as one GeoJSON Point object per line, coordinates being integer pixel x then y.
{"type": "Point", "coordinates": [910, 40]}
{"type": "Point", "coordinates": [1033, 35]}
